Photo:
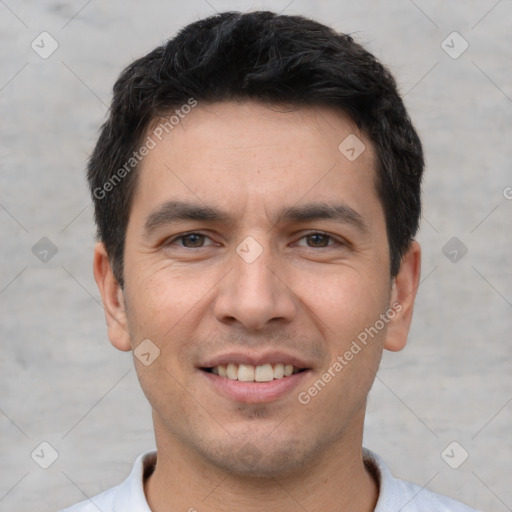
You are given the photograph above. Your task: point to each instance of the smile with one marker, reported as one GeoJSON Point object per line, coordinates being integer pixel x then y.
{"type": "Point", "coordinates": [250, 373]}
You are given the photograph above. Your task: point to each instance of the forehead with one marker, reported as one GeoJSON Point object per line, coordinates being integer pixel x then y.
{"type": "Point", "coordinates": [234, 125]}
{"type": "Point", "coordinates": [259, 156]}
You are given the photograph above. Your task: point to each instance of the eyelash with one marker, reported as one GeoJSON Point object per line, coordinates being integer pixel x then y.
{"type": "Point", "coordinates": [321, 233]}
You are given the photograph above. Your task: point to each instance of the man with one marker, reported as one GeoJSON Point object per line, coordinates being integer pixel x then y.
{"type": "Point", "coordinates": [257, 194]}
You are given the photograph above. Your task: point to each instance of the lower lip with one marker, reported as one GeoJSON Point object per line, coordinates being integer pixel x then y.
{"type": "Point", "coordinates": [255, 392]}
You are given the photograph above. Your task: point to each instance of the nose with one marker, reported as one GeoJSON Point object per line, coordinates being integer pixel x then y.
{"type": "Point", "coordinates": [255, 293]}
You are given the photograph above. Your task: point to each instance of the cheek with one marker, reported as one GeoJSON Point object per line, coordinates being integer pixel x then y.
{"type": "Point", "coordinates": [160, 301]}
{"type": "Point", "coordinates": [354, 302]}
{"type": "Point", "coordinates": [345, 302]}
{"type": "Point", "coordinates": [163, 311]}
{"type": "Point", "coordinates": [168, 308]}
{"type": "Point", "coordinates": [348, 308]}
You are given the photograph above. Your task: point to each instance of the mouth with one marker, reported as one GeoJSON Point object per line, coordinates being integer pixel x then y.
{"type": "Point", "coordinates": [250, 373]}
{"type": "Point", "coordinates": [254, 379]}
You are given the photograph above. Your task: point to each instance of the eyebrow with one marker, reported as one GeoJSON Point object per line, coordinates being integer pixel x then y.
{"type": "Point", "coordinates": [172, 212]}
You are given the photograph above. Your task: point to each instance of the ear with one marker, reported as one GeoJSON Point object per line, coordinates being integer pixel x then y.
{"type": "Point", "coordinates": [403, 294]}
{"type": "Point", "coordinates": [113, 299]}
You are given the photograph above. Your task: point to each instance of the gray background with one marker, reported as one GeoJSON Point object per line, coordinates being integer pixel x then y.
{"type": "Point", "coordinates": [61, 380]}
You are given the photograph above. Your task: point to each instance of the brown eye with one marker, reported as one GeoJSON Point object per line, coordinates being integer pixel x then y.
{"type": "Point", "coordinates": [318, 240]}
{"type": "Point", "coordinates": [189, 241]}
{"type": "Point", "coordinates": [195, 239]}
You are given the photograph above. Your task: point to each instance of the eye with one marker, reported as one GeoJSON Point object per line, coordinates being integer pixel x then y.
{"type": "Point", "coordinates": [189, 240]}
{"type": "Point", "coordinates": [319, 239]}
{"type": "Point", "coordinates": [194, 240]}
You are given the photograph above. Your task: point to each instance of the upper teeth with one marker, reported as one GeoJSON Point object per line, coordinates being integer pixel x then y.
{"type": "Point", "coordinates": [249, 373]}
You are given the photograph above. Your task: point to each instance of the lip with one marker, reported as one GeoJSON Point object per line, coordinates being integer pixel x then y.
{"type": "Point", "coordinates": [254, 392]}
{"type": "Point", "coordinates": [255, 359]}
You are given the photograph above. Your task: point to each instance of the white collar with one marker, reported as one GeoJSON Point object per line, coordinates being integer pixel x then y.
{"type": "Point", "coordinates": [394, 494]}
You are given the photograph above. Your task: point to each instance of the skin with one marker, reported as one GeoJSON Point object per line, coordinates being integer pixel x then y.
{"type": "Point", "coordinates": [309, 296]}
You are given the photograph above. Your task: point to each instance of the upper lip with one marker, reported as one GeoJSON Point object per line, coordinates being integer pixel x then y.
{"type": "Point", "coordinates": [255, 359]}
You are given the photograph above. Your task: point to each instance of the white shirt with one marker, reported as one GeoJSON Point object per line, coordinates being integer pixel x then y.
{"type": "Point", "coordinates": [394, 495]}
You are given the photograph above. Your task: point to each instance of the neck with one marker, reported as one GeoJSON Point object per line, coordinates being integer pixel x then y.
{"type": "Point", "coordinates": [336, 480]}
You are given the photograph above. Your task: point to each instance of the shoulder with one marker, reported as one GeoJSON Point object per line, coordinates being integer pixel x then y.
{"type": "Point", "coordinates": [127, 496]}
{"type": "Point", "coordinates": [398, 495]}
{"type": "Point", "coordinates": [420, 499]}
{"type": "Point", "coordinates": [103, 502]}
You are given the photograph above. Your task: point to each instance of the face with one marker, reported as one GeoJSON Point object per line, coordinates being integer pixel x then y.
{"type": "Point", "coordinates": [256, 247]}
